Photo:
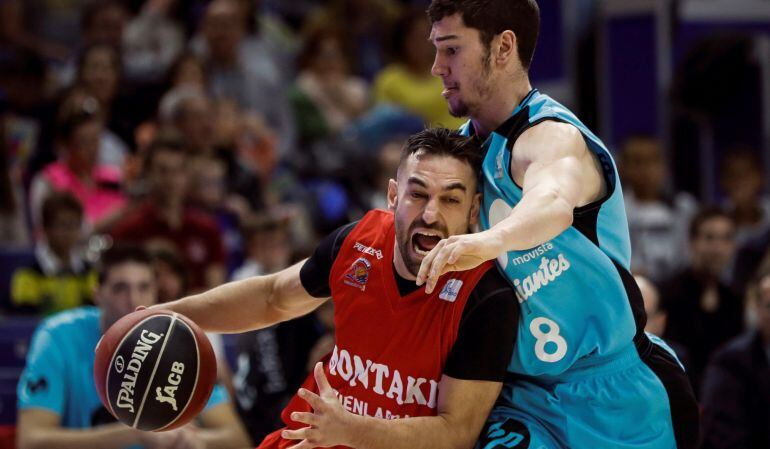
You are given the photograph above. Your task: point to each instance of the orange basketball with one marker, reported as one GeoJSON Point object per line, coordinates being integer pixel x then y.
{"type": "Point", "coordinates": [154, 370]}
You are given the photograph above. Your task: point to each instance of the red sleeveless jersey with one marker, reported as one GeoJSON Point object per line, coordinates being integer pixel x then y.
{"type": "Point", "coordinates": [390, 350]}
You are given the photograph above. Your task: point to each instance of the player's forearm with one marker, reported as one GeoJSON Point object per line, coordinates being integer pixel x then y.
{"type": "Point", "coordinates": [434, 432]}
{"type": "Point", "coordinates": [537, 218]}
{"type": "Point", "coordinates": [109, 436]}
{"type": "Point", "coordinates": [233, 307]}
{"type": "Point", "coordinates": [232, 436]}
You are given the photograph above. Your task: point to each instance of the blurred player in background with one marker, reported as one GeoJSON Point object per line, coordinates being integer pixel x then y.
{"type": "Point", "coordinates": [58, 403]}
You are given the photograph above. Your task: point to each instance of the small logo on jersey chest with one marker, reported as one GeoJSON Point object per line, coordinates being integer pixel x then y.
{"type": "Point", "coordinates": [358, 274]}
{"type": "Point", "coordinates": [499, 164]}
{"type": "Point", "coordinates": [368, 250]}
{"type": "Point", "coordinates": [451, 290]}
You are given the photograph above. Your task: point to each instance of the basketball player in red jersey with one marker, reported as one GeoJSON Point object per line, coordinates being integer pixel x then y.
{"type": "Point", "coordinates": [436, 361]}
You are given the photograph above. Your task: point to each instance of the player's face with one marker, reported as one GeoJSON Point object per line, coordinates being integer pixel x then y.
{"type": "Point", "coordinates": [463, 64]}
{"type": "Point", "coordinates": [713, 245]}
{"type": "Point", "coordinates": [434, 197]}
{"type": "Point", "coordinates": [127, 286]}
{"type": "Point", "coordinates": [168, 175]}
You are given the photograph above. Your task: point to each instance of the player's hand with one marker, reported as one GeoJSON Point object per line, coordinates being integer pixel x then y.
{"type": "Point", "coordinates": [327, 424]}
{"type": "Point", "coordinates": [182, 438]}
{"type": "Point", "coordinates": [458, 253]}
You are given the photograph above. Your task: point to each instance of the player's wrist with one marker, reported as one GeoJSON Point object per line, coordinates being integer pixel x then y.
{"type": "Point", "coordinates": [353, 430]}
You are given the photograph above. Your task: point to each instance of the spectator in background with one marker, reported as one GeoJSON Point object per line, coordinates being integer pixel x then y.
{"type": "Point", "coordinates": [388, 159]}
{"type": "Point", "coordinates": [736, 386]}
{"type": "Point", "coordinates": [657, 220]}
{"type": "Point", "coordinates": [703, 312]}
{"type": "Point", "coordinates": [98, 76]}
{"type": "Point", "coordinates": [102, 23]}
{"type": "Point", "coordinates": [152, 41]}
{"type": "Point", "coordinates": [24, 108]}
{"type": "Point", "coordinates": [209, 194]}
{"type": "Point", "coordinates": [657, 317]}
{"type": "Point", "coordinates": [13, 226]}
{"type": "Point", "coordinates": [170, 273]}
{"type": "Point", "coordinates": [49, 28]}
{"type": "Point", "coordinates": [748, 259]}
{"type": "Point", "coordinates": [58, 403]}
{"type": "Point", "coordinates": [79, 128]}
{"type": "Point", "coordinates": [188, 71]}
{"type": "Point", "coordinates": [367, 25]}
{"type": "Point", "coordinates": [245, 73]}
{"type": "Point", "coordinates": [60, 278]}
{"type": "Point", "coordinates": [268, 246]}
{"type": "Point", "coordinates": [741, 180]}
{"type": "Point", "coordinates": [165, 217]}
{"type": "Point", "coordinates": [326, 96]}
{"type": "Point", "coordinates": [199, 122]}
{"type": "Point", "coordinates": [407, 82]}
{"type": "Point", "coordinates": [272, 362]}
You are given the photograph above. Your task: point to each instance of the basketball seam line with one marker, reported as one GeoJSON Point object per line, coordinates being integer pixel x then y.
{"type": "Point", "coordinates": [197, 373]}
{"type": "Point", "coordinates": [155, 368]}
{"type": "Point", "coordinates": [114, 356]}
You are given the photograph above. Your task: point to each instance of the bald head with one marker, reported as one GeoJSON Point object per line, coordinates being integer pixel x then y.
{"type": "Point", "coordinates": [656, 317]}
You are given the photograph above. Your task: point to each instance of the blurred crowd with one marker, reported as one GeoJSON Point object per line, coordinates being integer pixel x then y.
{"type": "Point", "coordinates": [227, 136]}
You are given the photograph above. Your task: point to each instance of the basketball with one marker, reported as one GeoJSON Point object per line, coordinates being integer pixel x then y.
{"type": "Point", "coordinates": [154, 370]}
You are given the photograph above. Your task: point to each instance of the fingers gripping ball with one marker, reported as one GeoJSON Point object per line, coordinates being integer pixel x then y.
{"type": "Point", "coordinates": [154, 370]}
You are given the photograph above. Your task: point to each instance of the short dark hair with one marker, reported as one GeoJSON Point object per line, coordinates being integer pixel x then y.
{"type": "Point", "coordinates": [705, 214]}
{"type": "Point", "coordinates": [492, 17]}
{"type": "Point", "coordinates": [73, 113]}
{"type": "Point", "coordinates": [57, 202]}
{"type": "Point", "coordinates": [120, 254]}
{"type": "Point", "coordinates": [93, 8]}
{"type": "Point", "coordinates": [444, 142]}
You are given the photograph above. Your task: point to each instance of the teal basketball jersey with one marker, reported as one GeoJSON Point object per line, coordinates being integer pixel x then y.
{"type": "Point", "coordinates": [579, 303]}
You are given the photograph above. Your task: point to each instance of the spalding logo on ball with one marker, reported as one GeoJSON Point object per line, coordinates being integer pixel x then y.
{"type": "Point", "coordinates": [154, 370]}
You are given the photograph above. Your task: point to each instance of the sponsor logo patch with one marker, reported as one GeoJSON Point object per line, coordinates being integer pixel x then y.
{"type": "Point", "coordinates": [358, 274]}
{"type": "Point", "coordinates": [451, 290]}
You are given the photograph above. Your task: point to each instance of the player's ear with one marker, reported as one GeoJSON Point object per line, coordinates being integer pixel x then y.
{"type": "Point", "coordinates": [392, 194]}
{"type": "Point", "coordinates": [475, 209]}
{"type": "Point", "coordinates": [504, 47]}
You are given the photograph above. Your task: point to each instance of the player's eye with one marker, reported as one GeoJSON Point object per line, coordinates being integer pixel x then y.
{"type": "Point", "coordinates": [418, 195]}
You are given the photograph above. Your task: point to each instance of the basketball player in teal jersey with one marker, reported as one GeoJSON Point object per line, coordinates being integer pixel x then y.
{"type": "Point", "coordinates": [584, 375]}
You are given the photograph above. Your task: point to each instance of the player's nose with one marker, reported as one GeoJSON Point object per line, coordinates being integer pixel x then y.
{"type": "Point", "coordinates": [438, 68]}
{"type": "Point", "coordinates": [431, 211]}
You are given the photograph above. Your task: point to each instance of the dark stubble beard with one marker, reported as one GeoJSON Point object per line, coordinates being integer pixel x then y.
{"type": "Point", "coordinates": [480, 85]}
{"type": "Point", "coordinates": [405, 242]}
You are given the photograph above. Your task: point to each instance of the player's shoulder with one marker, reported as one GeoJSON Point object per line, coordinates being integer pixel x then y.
{"type": "Point", "coordinates": [69, 320]}
{"type": "Point", "coordinates": [68, 329]}
{"type": "Point", "coordinates": [550, 139]}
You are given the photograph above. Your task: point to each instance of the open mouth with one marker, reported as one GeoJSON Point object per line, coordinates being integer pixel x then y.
{"type": "Point", "coordinates": [424, 241]}
{"type": "Point", "coordinates": [449, 90]}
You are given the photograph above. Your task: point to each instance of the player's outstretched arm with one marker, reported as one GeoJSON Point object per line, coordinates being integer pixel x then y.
{"type": "Point", "coordinates": [463, 406]}
{"type": "Point", "coordinates": [558, 174]}
{"type": "Point", "coordinates": [39, 428]}
{"type": "Point", "coordinates": [248, 304]}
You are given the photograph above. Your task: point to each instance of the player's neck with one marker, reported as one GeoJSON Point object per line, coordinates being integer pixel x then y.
{"type": "Point", "coordinates": [498, 108]}
{"type": "Point", "coordinates": [400, 266]}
